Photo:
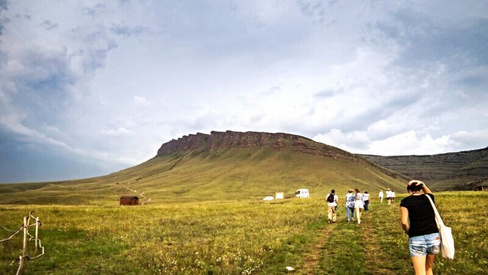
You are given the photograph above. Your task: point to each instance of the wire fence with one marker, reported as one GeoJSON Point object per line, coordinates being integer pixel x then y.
{"type": "Point", "coordinates": [29, 221]}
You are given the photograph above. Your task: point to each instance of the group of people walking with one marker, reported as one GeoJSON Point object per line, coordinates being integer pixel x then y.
{"type": "Point", "coordinates": [355, 204]}
{"type": "Point", "coordinates": [417, 219]}
{"type": "Point", "coordinates": [390, 196]}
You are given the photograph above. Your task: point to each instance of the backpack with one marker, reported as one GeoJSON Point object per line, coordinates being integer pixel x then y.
{"type": "Point", "coordinates": [330, 198]}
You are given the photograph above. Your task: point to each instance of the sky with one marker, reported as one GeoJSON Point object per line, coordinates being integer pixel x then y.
{"type": "Point", "coordinates": [91, 87]}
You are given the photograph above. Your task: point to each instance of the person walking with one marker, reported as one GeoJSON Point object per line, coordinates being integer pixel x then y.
{"type": "Point", "coordinates": [350, 199]}
{"type": "Point", "coordinates": [366, 200]}
{"type": "Point", "coordinates": [388, 195]}
{"type": "Point", "coordinates": [332, 200]}
{"type": "Point", "coordinates": [380, 196]}
{"type": "Point", "coordinates": [358, 204]}
{"type": "Point", "coordinates": [418, 222]}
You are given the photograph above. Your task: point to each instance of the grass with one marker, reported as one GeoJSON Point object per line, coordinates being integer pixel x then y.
{"type": "Point", "coordinates": [238, 237]}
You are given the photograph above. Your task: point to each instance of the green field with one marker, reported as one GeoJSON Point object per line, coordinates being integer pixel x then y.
{"type": "Point", "coordinates": [237, 237]}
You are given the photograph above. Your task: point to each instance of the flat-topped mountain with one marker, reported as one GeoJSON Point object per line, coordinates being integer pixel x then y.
{"type": "Point", "coordinates": [222, 166]}
{"type": "Point", "coordinates": [231, 140]}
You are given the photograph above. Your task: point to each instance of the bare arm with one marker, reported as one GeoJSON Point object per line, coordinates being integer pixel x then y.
{"type": "Point", "coordinates": [426, 189]}
{"type": "Point", "coordinates": [405, 224]}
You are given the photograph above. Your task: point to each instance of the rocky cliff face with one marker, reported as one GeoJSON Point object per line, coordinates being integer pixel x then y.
{"type": "Point", "coordinates": [230, 139]}
{"type": "Point", "coordinates": [275, 141]}
{"type": "Point", "coordinates": [463, 170]}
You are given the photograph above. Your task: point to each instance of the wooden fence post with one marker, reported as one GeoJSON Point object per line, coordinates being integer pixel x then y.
{"type": "Point", "coordinates": [21, 262]}
{"type": "Point", "coordinates": [37, 232]}
{"type": "Point", "coordinates": [26, 224]}
{"type": "Point", "coordinates": [24, 247]}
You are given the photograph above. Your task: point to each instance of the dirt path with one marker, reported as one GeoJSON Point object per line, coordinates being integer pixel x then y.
{"type": "Point", "coordinates": [315, 256]}
{"type": "Point", "coordinates": [140, 195]}
{"type": "Point", "coordinates": [144, 197]}
{"type": "Point", "coordinates": [380, 233]}
{"type": "Point", "coordinates": [368, 239]}
{"type": "Point", "coordinates": [373, 245]}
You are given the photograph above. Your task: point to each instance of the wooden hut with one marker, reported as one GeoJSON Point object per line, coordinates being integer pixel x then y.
{"type": "Point", "coordinates": [129, 200]}
{"type": "Point", "coordinates": [481, 188]}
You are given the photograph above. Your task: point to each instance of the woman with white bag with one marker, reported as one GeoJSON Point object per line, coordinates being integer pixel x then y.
{"type": "Point", "coordinates": [418, 221]}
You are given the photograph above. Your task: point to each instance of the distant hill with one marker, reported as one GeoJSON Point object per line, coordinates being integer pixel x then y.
{"type": "Point", "coordinates": [221, 166]}
{"type": "Point", "coordinates": [450, 171]}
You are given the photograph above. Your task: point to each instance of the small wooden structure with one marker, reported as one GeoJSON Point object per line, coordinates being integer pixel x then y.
{"type": "Point", "coordinates": [481, 188]}
{"type": "Point", "coordinates": [129, 200]}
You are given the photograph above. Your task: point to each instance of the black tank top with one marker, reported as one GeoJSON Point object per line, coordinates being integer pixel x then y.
{"type": "Point", "coordinates": [420, 214]}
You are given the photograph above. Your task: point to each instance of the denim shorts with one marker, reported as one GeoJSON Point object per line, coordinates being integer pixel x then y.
{"type": "Point", "coordinates": [425, 244]}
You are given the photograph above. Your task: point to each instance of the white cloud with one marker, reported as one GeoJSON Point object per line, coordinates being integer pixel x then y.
{"type": "Point", "coordinates": [474, 139]}
{"type": "Point", "coordinates": [410, 143]}
{"type": "Point", "coordinates": [140, 101]}
{"type": "Point", "coordinates": [118, 132]}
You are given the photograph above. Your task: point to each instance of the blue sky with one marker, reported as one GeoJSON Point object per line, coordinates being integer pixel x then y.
{"type": "Point", "coordinates": [92, 87]}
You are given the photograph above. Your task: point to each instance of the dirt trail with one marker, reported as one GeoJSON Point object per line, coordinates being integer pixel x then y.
{"type": "Point", "coordinates": [372, 244]}
{"type": "Point", "coordinates": [378, 223]}
{"type": "Point", "coordinates": [140, 195]}
{"type": "Point", "coordinates": [373, 224]}
{"type": "Point", "coordinates": [315, 256]}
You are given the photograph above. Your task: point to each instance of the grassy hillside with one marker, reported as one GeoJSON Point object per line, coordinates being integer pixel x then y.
{"type": "Point", "coordinates": [220, 174]}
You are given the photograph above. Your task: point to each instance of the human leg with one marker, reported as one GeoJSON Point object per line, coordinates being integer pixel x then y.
{"type": "Point", "coordinates": [429, 263]}
{"type": "Point", "coordinates": [334, 215]}
{"type": "Point", "coordinates": [433, 248]}
{"type": "Point", "coordinates": [350, 213]}
{"type": "Point", "coordinates": [418, 253]}
{"type": "Point", "coordinates": [419, 264]}
{"type": "Point", "coordinates": [329, 213]}
{"type": "Point", "coordinates": [358, 214]}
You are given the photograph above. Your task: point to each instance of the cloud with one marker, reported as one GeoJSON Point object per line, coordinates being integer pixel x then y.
{"type": "Point", "coordinates": [94, 10]}
{"type": "Point", "coordinates": [3, 5]}
{"type": "Point", "coordinates": [410, 143]}
{"type": "Point", "coordinates": [48, 25]}
{"type": "Point", "coordinates": [115, 133]}
{"type": "Point", "coordinates": [404, 143]}
{"type": "Point", "coordinates": [127, 31]}
{"type": "Point", "coordinates": [112, 81]}
{"type": "Point", "coordinates": [474, 139]}
{"type": "Point", "coordinates": [140, 101]}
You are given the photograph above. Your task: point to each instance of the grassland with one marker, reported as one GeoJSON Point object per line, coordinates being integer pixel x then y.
{"type": "Point", "coordinates": [238, 237]}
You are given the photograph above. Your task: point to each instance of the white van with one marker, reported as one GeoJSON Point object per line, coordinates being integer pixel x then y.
{"type": "Point", "coordinates": [302, 193]}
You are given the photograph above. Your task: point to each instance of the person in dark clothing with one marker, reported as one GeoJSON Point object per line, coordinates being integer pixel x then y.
{"type": "Point", "coordinates": [418, 222]}
{"type": "Point", "coordinates": [366, 200]}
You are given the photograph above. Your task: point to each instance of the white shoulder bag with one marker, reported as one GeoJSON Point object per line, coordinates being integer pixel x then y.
{"type": "Point", "coordinates": [447, 241]}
